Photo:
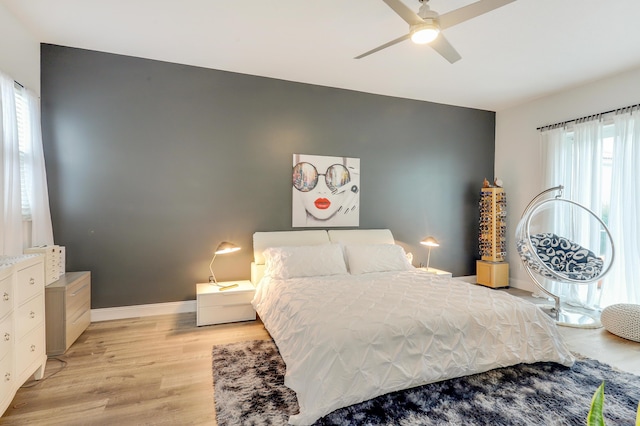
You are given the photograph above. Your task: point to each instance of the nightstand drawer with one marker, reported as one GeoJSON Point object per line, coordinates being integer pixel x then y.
{"type": "Point", "coordinates": [227, 298]}
{"type": "Point", "coordinates": [222, 314]}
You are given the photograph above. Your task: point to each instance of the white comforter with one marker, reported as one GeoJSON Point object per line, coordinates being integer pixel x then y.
{"type": "Point", "coordinates": [346, 339]}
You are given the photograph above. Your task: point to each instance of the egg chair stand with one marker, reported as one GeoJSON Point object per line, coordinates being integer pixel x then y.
{"type": "Point", "coordinates": [547, 242]}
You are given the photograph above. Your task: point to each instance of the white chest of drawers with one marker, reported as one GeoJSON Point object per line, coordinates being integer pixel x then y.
{"type": "Point", "coordinates": [22, 328]}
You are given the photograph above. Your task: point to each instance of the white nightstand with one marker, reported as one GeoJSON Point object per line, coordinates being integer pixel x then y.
{"type": "Point", "coordinates": [437, 272]}
{"type": "Point", "coordinates": [216, 306]}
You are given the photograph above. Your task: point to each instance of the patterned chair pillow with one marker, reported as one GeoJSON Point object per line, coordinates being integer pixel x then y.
{"type": "Point", "coordinates": [561, 255]}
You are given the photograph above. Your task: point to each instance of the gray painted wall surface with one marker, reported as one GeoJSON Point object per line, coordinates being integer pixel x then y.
{"type": "Point", "coordinates": [152, 164]}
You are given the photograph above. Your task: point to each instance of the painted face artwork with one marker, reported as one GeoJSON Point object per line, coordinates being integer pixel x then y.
{"type": "Point", "coordinates": [327, 190]}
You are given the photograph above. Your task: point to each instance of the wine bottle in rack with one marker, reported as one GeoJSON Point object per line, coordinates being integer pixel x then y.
{"type": "Point", "coordinates": [492, 270]}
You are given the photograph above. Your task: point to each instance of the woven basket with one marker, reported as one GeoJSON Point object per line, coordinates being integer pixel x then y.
{"type": "Point", "coordinates": [622, 320]}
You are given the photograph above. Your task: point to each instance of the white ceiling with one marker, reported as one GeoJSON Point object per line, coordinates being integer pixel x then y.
{"type": "Point", "coordinates": [519, 52]}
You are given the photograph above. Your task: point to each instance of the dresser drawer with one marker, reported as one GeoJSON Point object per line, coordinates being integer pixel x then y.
{"type": "Point", "coordinates": [222, 314]}
{"type": "Point", "coordinates": [78, 298]}
{"type": "Point", "coordinates": [30, 282]}
{"type": "Point", "coordinates": [29, 316]}
{"type": "Point", "coordinates": [30, 348]}
{"type": "Point", "coordinates": [6, 296]}
{"type": "Point", "coordinates": [6, 374]}
{"type": "Point", "coordinates": [77, 324]}
{"type": "Point", "coordinates": [6, 335]}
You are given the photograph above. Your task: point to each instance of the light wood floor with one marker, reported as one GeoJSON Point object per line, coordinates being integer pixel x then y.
{"type": "Point", "coordinates": [157, 370]}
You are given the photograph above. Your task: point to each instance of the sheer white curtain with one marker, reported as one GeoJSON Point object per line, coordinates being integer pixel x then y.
{"type": "Point", "coordinates": [623, 283]}
{"type": "Point", "coordinates": [573, 159]}
{"type": "Point", "coordinates": [12, 237]}
{"type": "Point", "coordinates": [36, 176]}
{"type": "Point", "coordinates": [11, 213]}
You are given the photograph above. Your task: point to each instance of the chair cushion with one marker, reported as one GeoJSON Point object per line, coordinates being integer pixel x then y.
{"type": "Point", "coordinates": [622, 320]}
{"type": "Point", "coordinates": [562, 256]}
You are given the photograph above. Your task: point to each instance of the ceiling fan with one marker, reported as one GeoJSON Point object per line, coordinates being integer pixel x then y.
{"type": "Point", "coordinates": [426, 25]}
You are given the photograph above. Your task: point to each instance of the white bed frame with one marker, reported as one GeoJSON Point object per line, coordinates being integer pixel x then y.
{"type": "Point", "coordinates": [264, 240]}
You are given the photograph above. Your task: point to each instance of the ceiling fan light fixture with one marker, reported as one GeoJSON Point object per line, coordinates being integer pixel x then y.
{"type": "Point", "coordinates": [424, 33]}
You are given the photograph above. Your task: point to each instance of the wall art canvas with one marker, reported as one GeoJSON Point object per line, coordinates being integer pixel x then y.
{"type": "Point", "coordinates": [326, 191]}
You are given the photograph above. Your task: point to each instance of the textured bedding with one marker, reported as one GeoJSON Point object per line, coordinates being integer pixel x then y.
{"type": "Point", "coordinates": [349, 338]}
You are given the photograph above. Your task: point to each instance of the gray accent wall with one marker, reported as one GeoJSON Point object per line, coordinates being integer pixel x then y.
{"type": "Point", "coordinates": [151, 164]}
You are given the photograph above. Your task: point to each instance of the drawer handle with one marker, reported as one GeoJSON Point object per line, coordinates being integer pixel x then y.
{"type": "Point", "coordinates": [32, 314]}
{"type": "Point", "coordinates": [5, 296]}
{"type": "Point", "coordinates": [33, 348]}
{"type": "Point", "coordinates": [79, 290]}
{"type": "Point", "coordinates": [32, 281]}
{"type": "Point", "coordinates": [7, 377]}
{"type": "Point", "coordinates": [7, 336]}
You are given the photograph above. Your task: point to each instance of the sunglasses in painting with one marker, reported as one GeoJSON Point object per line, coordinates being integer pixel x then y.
{"type": "Point", "coordinates": [305, 176]}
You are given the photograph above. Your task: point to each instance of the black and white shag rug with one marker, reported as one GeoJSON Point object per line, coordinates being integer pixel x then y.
{"type": "Point", "coordinates": [249, 389]}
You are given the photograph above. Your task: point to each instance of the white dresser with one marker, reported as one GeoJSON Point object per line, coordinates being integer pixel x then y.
{"type": "Point", "coordinates": [22, 330]}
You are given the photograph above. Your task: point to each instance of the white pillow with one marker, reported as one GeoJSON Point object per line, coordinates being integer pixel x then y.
{"type": "Point", "coordinates": [304, 261]}
{"type": "Point", "coordinates": [367, 258]}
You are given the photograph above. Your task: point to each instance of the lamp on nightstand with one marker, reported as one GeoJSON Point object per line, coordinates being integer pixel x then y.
{"type": "Point", "coordinates": [429, 242]}
{"type": "Point", "coordinates": [223, 248]}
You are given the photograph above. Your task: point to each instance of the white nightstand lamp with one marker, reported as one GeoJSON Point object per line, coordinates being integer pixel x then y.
{"type": "Point", "coordinates": [429, 242]}
{"type": "Point", "coordinates": [223, 248]}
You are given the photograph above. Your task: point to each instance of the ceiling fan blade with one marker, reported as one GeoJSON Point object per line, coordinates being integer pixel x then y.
{"type": "Point", "coordinates": [470, 11]}
{"type": "Point", "coordinates": [444, 48]}
{"type": "Point", "coordinates": [405, 13]}
{"type": "Point", "coordinates": [384, 46]}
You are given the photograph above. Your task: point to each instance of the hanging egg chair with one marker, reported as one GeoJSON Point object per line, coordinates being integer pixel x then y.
{"type": "Point", "coordinates": [564, 247]}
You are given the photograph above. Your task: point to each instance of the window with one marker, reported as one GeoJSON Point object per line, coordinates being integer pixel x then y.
{"type": "Point", "coordinates": [24, 126]}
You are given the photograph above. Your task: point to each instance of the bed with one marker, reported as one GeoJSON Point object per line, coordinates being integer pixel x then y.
{"type": "Point", "coordinates": [353, 319]}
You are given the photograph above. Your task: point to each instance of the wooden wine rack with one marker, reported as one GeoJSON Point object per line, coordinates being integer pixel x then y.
{"type": "Point", "coordinates": [493, 270]}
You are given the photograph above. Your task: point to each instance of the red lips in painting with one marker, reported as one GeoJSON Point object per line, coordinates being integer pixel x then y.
{"type": "Point", "coordinates": [322, 203]}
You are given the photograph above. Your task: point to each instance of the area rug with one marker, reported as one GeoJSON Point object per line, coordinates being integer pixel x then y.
{"type": "Point", "coordinates": [249, 389]}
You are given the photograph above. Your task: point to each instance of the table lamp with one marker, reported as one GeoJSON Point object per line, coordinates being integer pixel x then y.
{"type": "Point", "coordinates": [223, 248]}
{"type": "Point", "coordinates": [429, 242]}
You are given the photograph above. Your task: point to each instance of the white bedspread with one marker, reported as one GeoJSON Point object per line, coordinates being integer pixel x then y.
{"type": "Point", "coordinates": [347, 339]}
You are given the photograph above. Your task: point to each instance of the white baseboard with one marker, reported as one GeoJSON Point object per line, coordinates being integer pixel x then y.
{"type": "Point", "coordinates": [467, 278]}
{"type": "Point", "coordinates": [135, 311]}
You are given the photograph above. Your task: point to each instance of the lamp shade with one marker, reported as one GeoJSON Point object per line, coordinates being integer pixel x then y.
{"type": "Point", "coordinates": [226, 247]}
{"type": "Point", "coordinates": [223, 248]}
{"type": "Point", "coordinates": [430, 241]}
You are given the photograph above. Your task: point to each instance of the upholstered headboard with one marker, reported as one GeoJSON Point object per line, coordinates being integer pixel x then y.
{"type": "Point", "coordinates": [264, 240]}
{"type": "Point", "coordinates": [361, 236]}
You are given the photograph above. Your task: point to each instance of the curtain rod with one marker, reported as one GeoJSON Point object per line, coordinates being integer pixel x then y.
{"type": "Point", "coordinates": [587, 117]}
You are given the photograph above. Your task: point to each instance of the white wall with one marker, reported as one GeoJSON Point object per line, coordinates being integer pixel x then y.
{"type": "Point", "coordinates": [517, 144]}
{"type": "Point", "coordinates": [19, 51]}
